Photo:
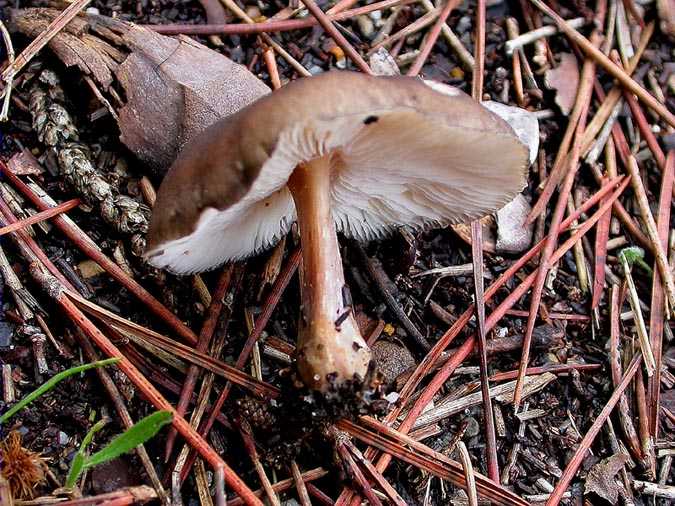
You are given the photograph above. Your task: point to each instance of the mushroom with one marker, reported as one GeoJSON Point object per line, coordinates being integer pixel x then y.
{"type": "Point", "coordinates": [342, 151]}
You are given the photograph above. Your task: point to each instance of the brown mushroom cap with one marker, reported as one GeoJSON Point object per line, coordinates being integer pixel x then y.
{"type": "Point", "coordinates": [402, 152]}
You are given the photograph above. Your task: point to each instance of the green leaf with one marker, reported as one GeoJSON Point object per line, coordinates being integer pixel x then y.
{"type": "Point", "coordinates": [635, 255]}
{"type": "Point", "coordinates": [51, 383]}
{"type": "Point", "coordinates": [131, 438]}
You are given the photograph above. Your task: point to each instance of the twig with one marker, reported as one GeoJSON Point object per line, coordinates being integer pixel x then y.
{"type": "Point", "coordinates": [203, 360]}
{"type": "Point", "coordinates": [41, 216]}
{"type": "Point", "coordinates": [451, 270]}
{"type": "Point", "coordinates": [123, 413]}
{"type": "Point", "coordinates": [281, 486]}
{"type": "Point", "coordinates": [504, 393]}
{"type": "Point", "coordinates": [648, 460]}
{"type": "Point", "coordinates": [477, 255]}
{"type": "Point", "coordinates": [579, 257]}
{"type": "Point", "coordinates": [205, 336]}
{"type": "Point", "coordinates": [446, 339]}
{"type": "Point", "coordinates": [604, 135]}
{"type": "Point", "coordinates": [634, 299]}
{"type": "Point", "coordinates": [601, 238]}
{"type": "Point", "coordinates": [607, 105]}
{"type": "Point", "coordinates": [300, 485]}
{"type": "Point", "coordinates": [9, 47]}
{"type": "Point", "coordinates": [407, 449]}
{"type": "Point", "coordinates": [655, 489]}
{"type": "Point", "coordinates": [8, 392]}
{"type": "Point", "coordinates": [376, 475]}
{"type": "Point", "coordinates": [512, 32]}
{"type": "Point", "coordinates": [553, 369]}
{"type": "Point", "coordinates": [358, 476]}
{"type": "Point", "coordinates": [413, 27]}
{"type": "Point", "coordinates": [249, 443]}
{"type": "Point", "coordinates": [545, 31]}
{"type": "Point", "coordinates": [54, 284]}
{"type": "Point", "coordinates": [431, 38]}
{"type": "Point", "coordinates": [468, 345]}
{"type": "Point", "coordinates": [652, 232]}
{"type": "Point", "coordinates": [202, 482]}
{"type": "Point", "coordinates": [339, 39]}
{"type": "Point", "coordinates": [562, 158]}
{"type": "Point", "coordinates": [87, 246]}
{"type": "Point", "coordinates": [583, 98]}
{"type": "Point", "coordinates": [468, 473]}
{"type": "Point", "coordinates": [593, 52]}
{"type": "Point", "coordinates": [479, 53]}
{"type": "Point", "coordinates": [270, 304]}
{"type": "Point", "coordinates": [272, 26]}
{"type": "Point", "coordinates": [272, 69]}
{"type": "Point", "coordinates": [647, 133]}
{"type": "Point", "coordinates": [239, 12]}
{"type": "Point", "coordinates": [378, 275]}
{"type": "Point", "coordinates": [515, 449]}
{"type": "Point", "coordinates": [588, 439]}
{"type": "Point", "coordinates": [656, 316]}
{"type": "Point", "coordinates": [202, 402]}
{"type": "Point", "coordinates": [465, 57]}
{"type": "Point", "coordinates": [625, 420]}
{"type": "Point", "coordinates": [131, 495]}
{"type": "Point", "coordinates": [630, 7]}
{"type": "Point", "coordinates": [43, 39]}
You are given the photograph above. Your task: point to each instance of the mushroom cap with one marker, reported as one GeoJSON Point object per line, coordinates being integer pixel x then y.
{"type": "Point", "coordinates": [403, 152]}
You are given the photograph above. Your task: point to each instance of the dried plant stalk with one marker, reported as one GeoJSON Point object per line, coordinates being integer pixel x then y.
{"type": "Point", "coordinates": [56, 129]}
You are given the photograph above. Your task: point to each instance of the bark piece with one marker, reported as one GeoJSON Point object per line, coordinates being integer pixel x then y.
{"type": "Point", "coordinates": [601, 478]}
{"type": "Point", "coordinates": [564, 79]}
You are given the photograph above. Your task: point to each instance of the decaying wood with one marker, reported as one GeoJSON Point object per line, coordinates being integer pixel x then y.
{"type": "Point", "coordinates": [173, 87]}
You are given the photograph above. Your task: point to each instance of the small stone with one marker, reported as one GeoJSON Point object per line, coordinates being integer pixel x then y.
{"type": "Point", "coordinates": [464, 24]}
{"type": "Point", "coordinates": [63, 438]}
{"type": "Point", "coordinates": [89, 269]}
{"type": "Point", "coordinates": [392, 397]}
{"type": "Point", "coordinates": [513, 235]}
{"type": "Point", "coordinates": [366, 26]}
{"type": "Point", "coordinates": [501, 332]}
{"type": "Point", "coordinates": [391, 359]}
{"type": "Point", "coordinates": [472, 428]}
{"type": "Point", "coordinates": [253, 12]}
{"type": "Point", "coordinates": [383, 64]}
{"type": "Point", "coordinates": [457, 73]}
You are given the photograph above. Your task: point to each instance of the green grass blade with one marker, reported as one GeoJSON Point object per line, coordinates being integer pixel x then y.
{"type": "Point", "coordinates": [131, 438]}
{"type": "Point", "coordinates": [77, 466]}
{"type": "Point", "coordinates": [90, 435]}
{"type": "Point", "coordinates": [51, 383]}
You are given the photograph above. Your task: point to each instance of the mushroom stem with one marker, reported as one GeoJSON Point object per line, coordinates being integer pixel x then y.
{"type": "Point", "coordinates": [329, 342]}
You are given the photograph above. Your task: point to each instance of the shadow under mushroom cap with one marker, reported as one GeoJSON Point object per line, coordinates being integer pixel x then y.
{"type": "Point", "coordinates": [401, 153]}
